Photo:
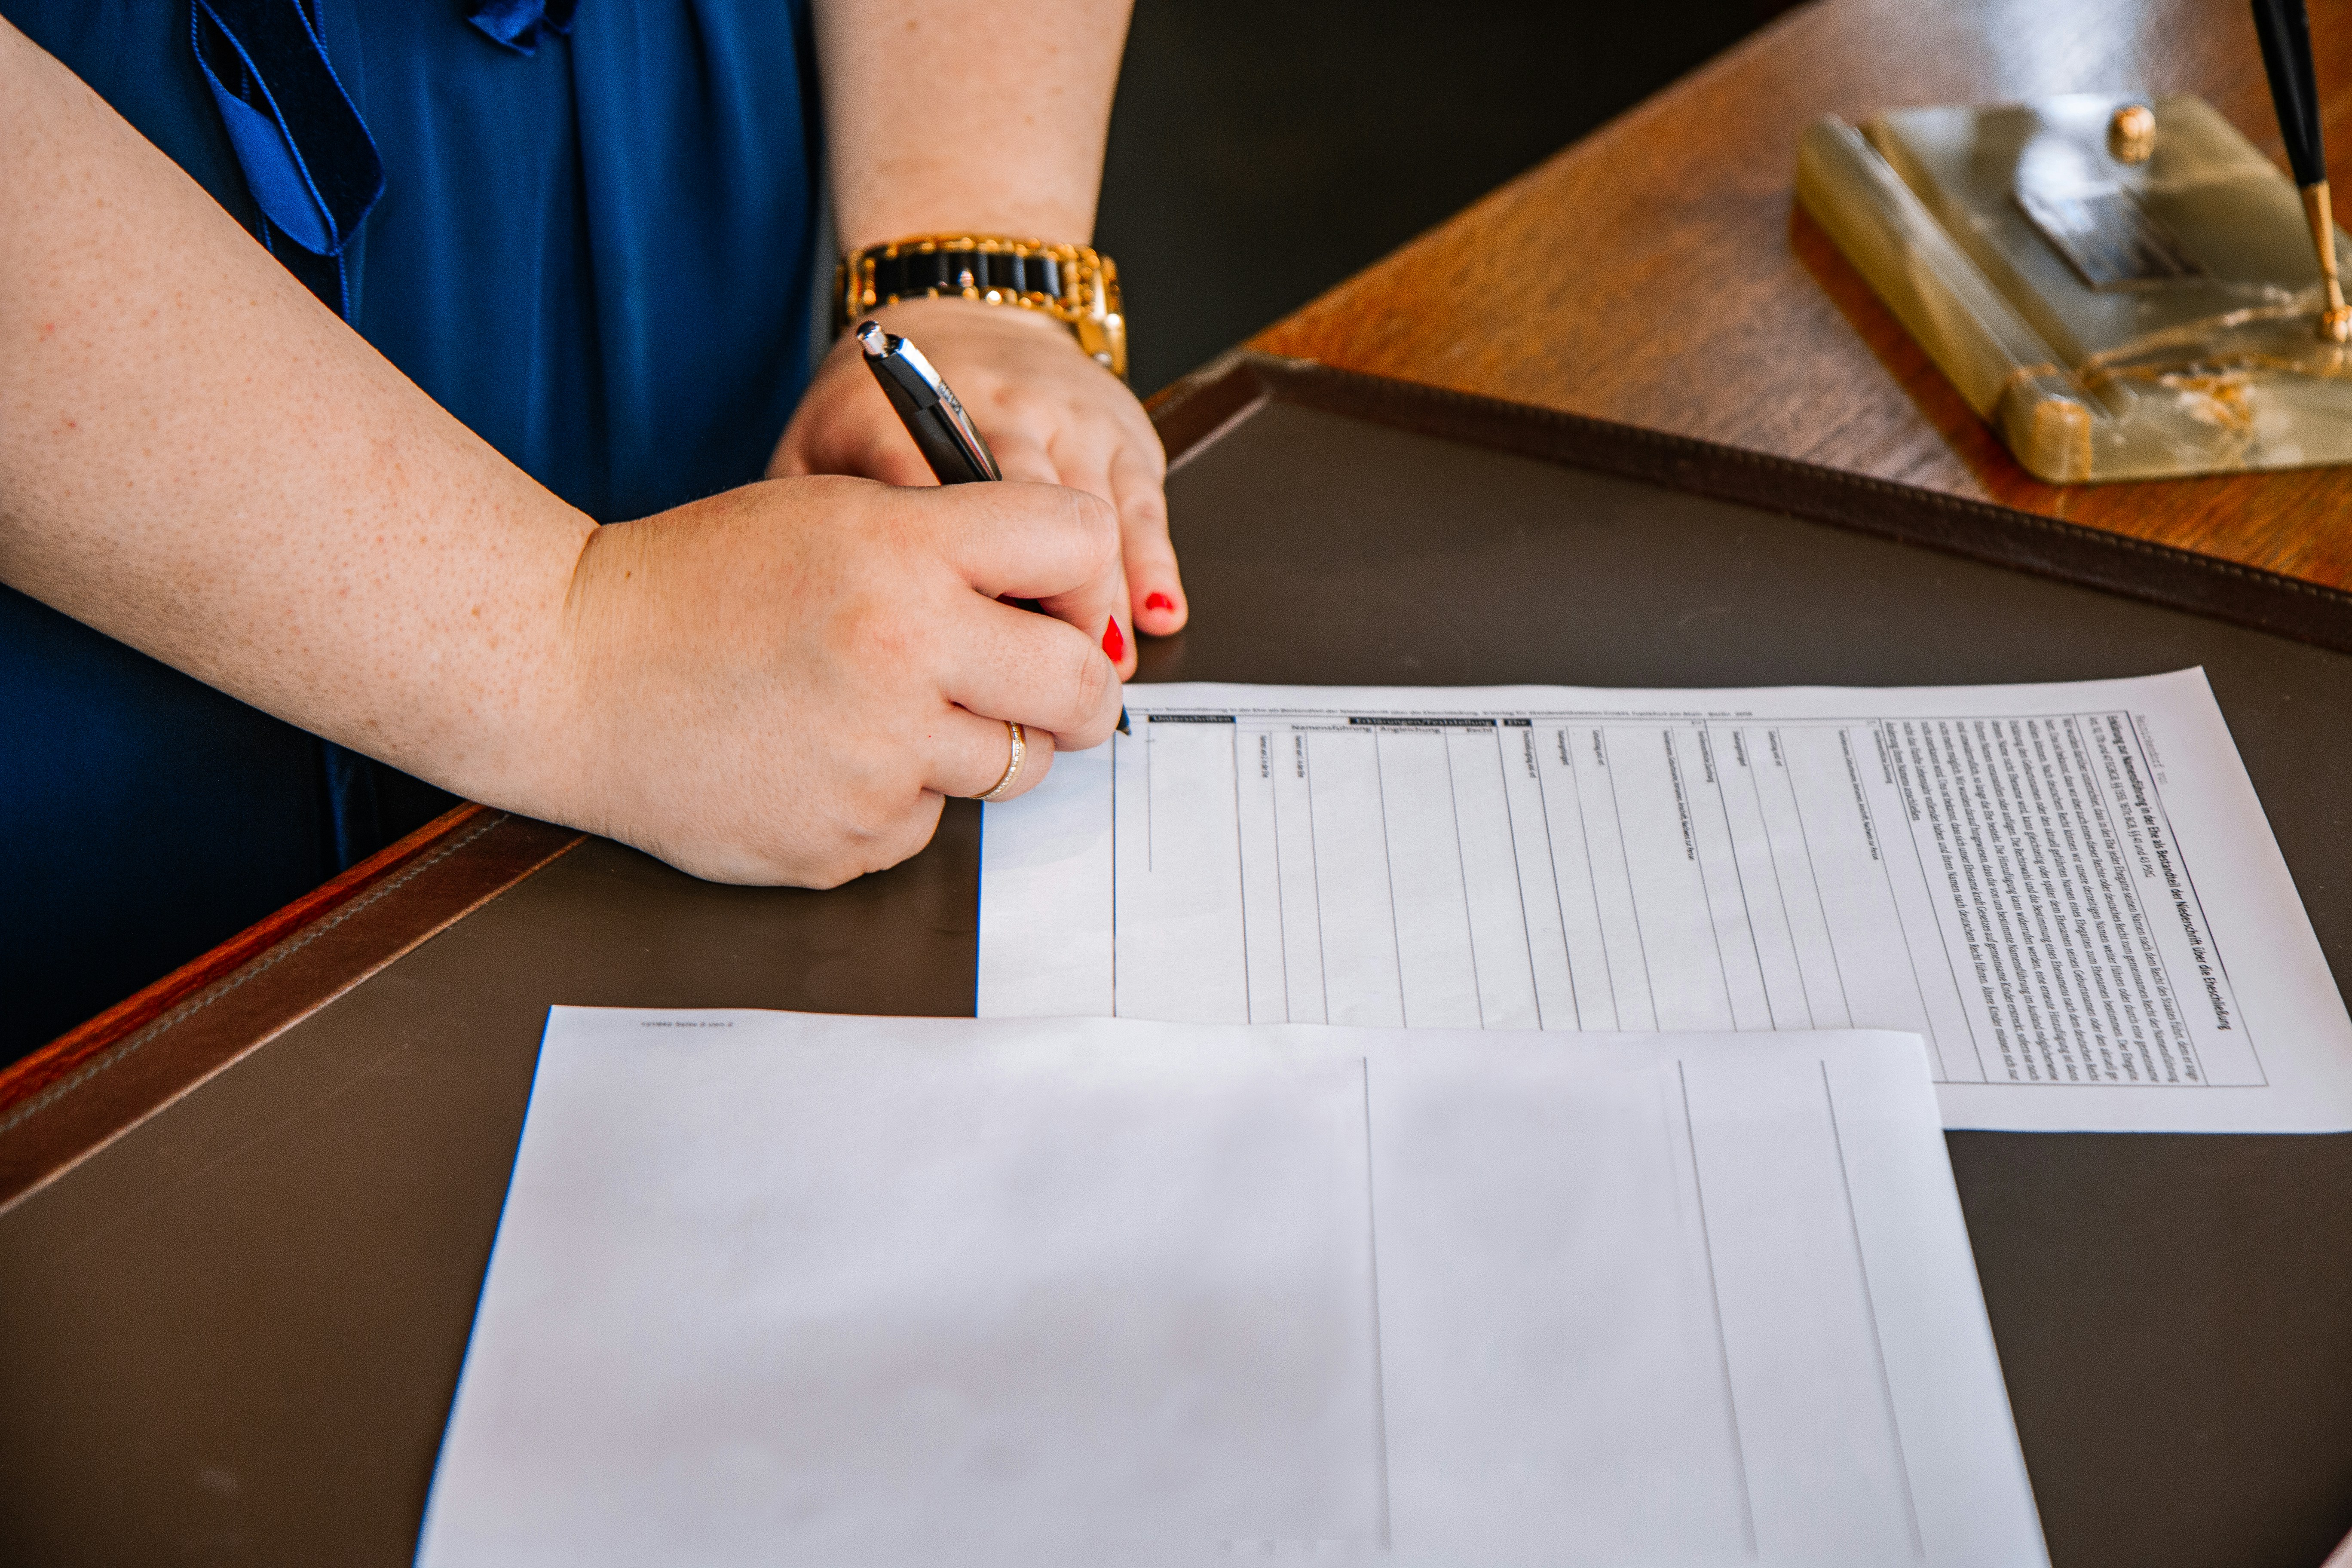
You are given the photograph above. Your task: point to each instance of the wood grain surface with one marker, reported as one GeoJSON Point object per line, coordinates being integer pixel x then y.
{"type": "Point", "coordinates": [1658, 271]}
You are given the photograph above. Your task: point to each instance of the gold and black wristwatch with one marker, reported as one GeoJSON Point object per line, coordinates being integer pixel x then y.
{"type": "Point", "coordinates": [1075, 284]}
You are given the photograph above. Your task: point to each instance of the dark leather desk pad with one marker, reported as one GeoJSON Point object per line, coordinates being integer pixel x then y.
{"type": "Point", "coordinates": [231, 1334]}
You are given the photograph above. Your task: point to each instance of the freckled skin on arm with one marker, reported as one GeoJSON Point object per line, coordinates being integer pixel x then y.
{"type": "Point", "coordinates": [281, 513]}
{"type": "Point", "coordinates": [947, 116]}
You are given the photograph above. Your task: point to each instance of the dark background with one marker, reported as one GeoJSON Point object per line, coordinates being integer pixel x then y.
{"type": "Point", "coordinates": [1262, 149]}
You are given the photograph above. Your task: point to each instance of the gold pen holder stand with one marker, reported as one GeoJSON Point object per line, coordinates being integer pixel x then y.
{"type": "Point", "coordinates": [2116, 307]}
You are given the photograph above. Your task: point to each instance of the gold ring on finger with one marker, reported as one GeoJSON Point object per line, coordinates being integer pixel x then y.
{"type": "Point", "coordinates": [1012, 769]}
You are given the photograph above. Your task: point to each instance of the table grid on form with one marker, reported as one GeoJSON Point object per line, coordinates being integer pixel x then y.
{"type": "Point", "coordinates": [1978, 880]}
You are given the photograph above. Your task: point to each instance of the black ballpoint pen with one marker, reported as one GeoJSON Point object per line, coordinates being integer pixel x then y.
{"type": "Point", "coordinates": [955, 449]}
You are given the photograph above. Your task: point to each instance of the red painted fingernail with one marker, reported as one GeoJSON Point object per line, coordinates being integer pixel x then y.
{"type": "Point", "coordinates": [1114, 644]}
{"type": "Point", "coordinates": [1159, 602]}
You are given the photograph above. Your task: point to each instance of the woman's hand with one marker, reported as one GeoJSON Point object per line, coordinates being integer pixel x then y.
{"type": "Point", "coordinates": [782, 683]}
{"type": "Point", "coordinates": [1050, 414]}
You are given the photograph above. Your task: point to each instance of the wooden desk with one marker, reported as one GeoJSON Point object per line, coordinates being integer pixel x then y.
{"type": "Point", "coordinates": [1657, 273]}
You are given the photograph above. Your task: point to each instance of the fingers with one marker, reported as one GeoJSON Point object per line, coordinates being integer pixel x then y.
{"type": "Point", "coordinates": [971, 756]}
{"type": "Point", "coordinates": [1118, 641]}
{"type": "Point", "coordinates": [1021, 456]}
{"type": "Point", "coordinates": [1092, 475]}
{"type": "Point", "coordinates": [864, 451]}
{"type": "Point", "coordinates": [887, 454]}
{"type": "Point", "coordinates": [1154, 589]}
{"type": "Point", "coordinates": [1012, 664]}
{"type": "Point", "coordinates": [846, 426]}
{"type": "Point", "coordinates": [1126, 468]}
{"type": "Point", "coordinates": [1058, 547]}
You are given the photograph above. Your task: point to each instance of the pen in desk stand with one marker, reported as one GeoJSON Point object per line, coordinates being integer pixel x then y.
{"type": "Point", "coordinates": [2285, 31]}
{"type": "Point", "coordinates": [956, 450]}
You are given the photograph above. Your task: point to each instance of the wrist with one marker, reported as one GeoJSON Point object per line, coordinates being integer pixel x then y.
{"type": "Point", "coordinates": [530, 706]}
{"type": "Point", "coordinates": [925, 319]}
{"type": "Point", "coordinates": [569, 715]}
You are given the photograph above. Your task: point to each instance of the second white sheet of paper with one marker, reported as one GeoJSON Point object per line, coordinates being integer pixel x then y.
{"type": "Point", "coordinates": [774, 1289]}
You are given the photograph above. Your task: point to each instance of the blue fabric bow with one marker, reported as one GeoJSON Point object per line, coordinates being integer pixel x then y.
{"type": "Point", "coordinates": [307, 158]}
{"type": "Point", "coordinates": [519, 24]}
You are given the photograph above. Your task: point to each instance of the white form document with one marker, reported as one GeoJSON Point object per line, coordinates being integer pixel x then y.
{"type": "Point", "coordinates": [870, 1292]}
{"type": "Point", "coordinates": [2070, 889]}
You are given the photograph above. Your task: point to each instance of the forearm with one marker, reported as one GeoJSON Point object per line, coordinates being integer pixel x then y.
{"type": "Point", "coordinates": [197, 458]}
{"type": "Point", "coordinates": [943, 116]}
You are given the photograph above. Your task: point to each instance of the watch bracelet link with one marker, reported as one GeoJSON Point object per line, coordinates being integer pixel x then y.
{"type": "Point", "coordinates": [1075, 284]}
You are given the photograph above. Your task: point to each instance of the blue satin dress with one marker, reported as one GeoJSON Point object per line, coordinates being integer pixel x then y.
{"type": "Point", "coordinates": [589, 236]}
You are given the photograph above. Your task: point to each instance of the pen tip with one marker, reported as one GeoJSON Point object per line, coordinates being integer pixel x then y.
{"type": "Point", "coordinates": [1122, 722]}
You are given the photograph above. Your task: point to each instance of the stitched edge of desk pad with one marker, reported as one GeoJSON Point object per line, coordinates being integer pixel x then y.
{"type": "Point", "coordinates": [36, 1071]}
{"type": "Point", "coordinates": [473, 867]}
{"type": "Point", "coordinates": [1980, 530]}
{"type": "Point", "coordinates": [1191, 410]}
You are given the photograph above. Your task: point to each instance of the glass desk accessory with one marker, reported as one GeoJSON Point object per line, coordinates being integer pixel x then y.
{"type": "Point", "coordinates": [2124, 288]}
